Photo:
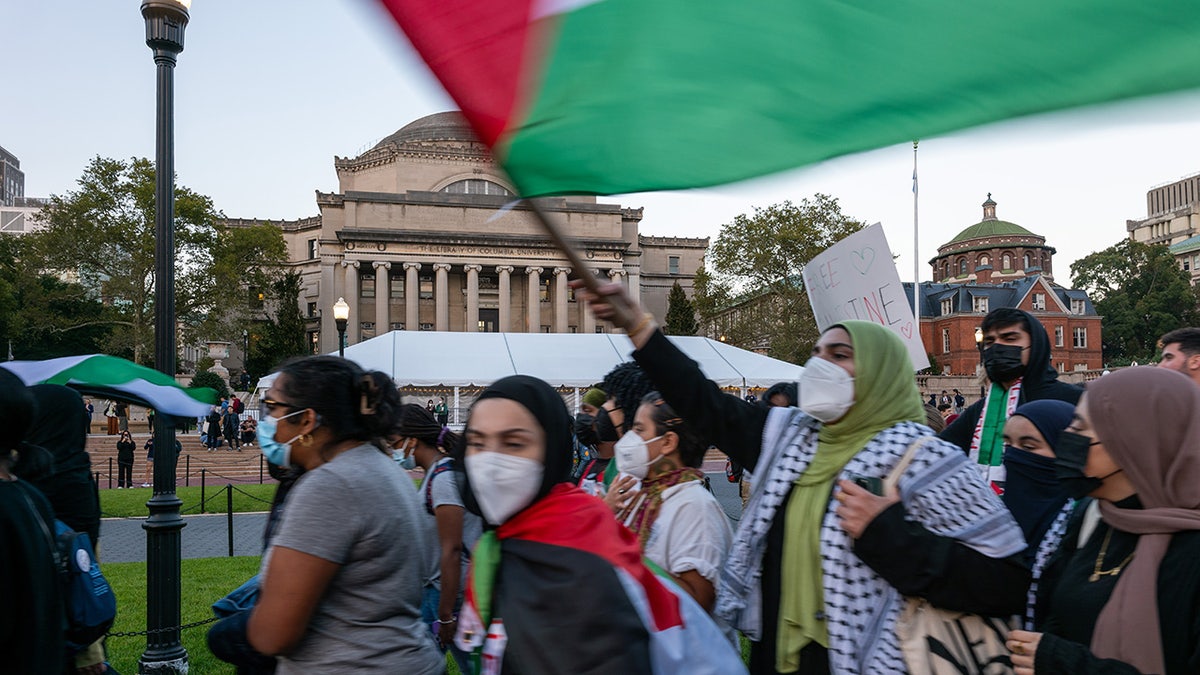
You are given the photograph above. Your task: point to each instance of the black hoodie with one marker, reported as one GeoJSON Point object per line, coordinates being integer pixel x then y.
{"type": "Point", "coordinates": [1040, 381]}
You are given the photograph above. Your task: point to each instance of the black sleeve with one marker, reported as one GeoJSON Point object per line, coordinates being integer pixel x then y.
{"type": "Point", "coordinates": [942, 570]}
{"type": "Point", "coordinates": [962, 428]}
{"type": "Point", "coordinates": [1061, 656]}
{"type": "Point", "coordinates": [733, 425]}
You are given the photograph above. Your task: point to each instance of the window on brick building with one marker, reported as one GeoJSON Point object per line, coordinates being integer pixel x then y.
{"type": "Point", "coordinates": [945, 340]}
{"type": "Point", "coordinates": [979, 303]}
{"type": "Point", "coordinates": [1039, 302]}
{"type": "Point", "coordinates": [1058, 336]}
{"type": "Point", "coordinates": [1080, 337]}
{"type": "Point", "coordinates": [1078, 306]}
{"type": "Point", "coordinates": [947, 306]}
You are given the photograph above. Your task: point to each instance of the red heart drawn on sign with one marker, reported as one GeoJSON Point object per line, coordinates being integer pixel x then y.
{"type": "Point", "coordinates": [906, 329]}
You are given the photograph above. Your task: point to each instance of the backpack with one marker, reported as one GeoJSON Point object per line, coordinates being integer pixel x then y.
{"type": "Point", "coordinates": [91, 605]}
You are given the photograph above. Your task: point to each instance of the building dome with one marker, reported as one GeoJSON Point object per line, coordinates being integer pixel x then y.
{"type": "Point", "coordinates": [990, 228]}
{"type": "Point", "coordinates": [443, 126]}
{"type": "Point", "coordinates": [992, 250]}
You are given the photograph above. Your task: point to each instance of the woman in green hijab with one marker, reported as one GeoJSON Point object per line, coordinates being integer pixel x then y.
{"type": "Point", "coordinates": [820, 566]}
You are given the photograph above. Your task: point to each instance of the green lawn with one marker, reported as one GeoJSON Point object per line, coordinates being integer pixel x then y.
{"type": "Point", "coordinates": [204, 581]}
{"type": "Point", "coordinates": [132, 501]}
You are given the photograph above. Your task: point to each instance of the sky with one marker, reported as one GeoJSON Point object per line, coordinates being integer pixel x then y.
{"type": "Point", "coordinates": [268, 92]}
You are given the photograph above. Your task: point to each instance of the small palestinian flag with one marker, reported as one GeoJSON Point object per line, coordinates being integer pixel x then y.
{"type": "Point", "coordinates": [118, 379]}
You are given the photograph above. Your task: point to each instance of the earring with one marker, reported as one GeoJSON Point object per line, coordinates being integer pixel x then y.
{"type": "Point", "coordinates": [306, 440]}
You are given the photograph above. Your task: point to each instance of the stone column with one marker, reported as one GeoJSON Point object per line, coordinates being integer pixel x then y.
{"type": "Point", "coordinates": [350, 293]}
{"type": "Point", "coordinates": [383, 298]}
{"type": "Point", "coordinates": [533, 315]}
{"type": "Point", "coordinates": [588, 324]}
{"type": "Point", "coordinates": [505, 298]}
{"type": "Point", "coordinates": [412, 291]}
{"type": "Point", "coordinates": [560, 299]}
{"type": "Point", "coordinates": [328, 294]}
{"type": "Point", "coordinates": [473, 297]}
{"type": "Point", "coordinates": [635, 284]}
{"type": "Point", "coordinates": [441, 294]}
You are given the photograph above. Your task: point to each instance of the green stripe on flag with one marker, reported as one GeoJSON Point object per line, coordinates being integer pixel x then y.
{"type": "Point", "coordinates": [642, 95]}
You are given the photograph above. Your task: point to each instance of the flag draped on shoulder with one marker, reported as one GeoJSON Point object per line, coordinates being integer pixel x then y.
{"type": "Point", "coordinates": [561, 588]}
{"type": "Point", "coordinates": [611, 96]}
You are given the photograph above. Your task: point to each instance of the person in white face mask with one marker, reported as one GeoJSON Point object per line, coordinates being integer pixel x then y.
{"type": "Point", "coordinates": [679, 523]}
{"type": "Point", "coordinates": [557, 585]}
{"type": "Point", "coordinates": [819, 566]}
{"type": "Point", "coordinates": [340, 585]}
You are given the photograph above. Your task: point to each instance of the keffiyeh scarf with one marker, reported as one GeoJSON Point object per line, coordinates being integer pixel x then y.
{"type": "Point", "coordinates": [941, 490]}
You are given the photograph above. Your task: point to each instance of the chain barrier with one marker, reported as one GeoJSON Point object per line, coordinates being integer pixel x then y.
{"type": "Point", "coordinates": [257, 499]}
{"type": "Point", "coordinates": [156, 631]}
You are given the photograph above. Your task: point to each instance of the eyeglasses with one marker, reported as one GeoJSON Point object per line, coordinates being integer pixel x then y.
{"type": "Point", "coordinates": [268, 405]}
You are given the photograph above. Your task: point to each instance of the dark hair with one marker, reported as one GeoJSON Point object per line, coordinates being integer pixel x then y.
{"type": "Point", "coordinates": [351, 404]}
{"type": "Point", "coordinates": [415, 421]}
{"type": "Point", "coordinates": [1005, 316]}
{"type": "Point", "coordinates": [691, 446]}
{"type": "Point", "coordinates": [627, 385]}
{"type": "Point", "coordinates": [1188, 340]}
{"type": "Point", "coordinates": [787, 389]}
{"type": "Point", "coordinates": [934, 419]}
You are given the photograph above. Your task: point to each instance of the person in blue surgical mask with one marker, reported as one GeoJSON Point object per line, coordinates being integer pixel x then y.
{"type": "Point", "coordinates": [341, 582]}
{"type": "Point", "coordinates": [419, 440]}
{"type": "Point", "coordinates": [1033, 493]}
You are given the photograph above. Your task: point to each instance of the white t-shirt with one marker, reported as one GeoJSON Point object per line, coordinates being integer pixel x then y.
{"type": "Point", "coordinates": [691, 532]}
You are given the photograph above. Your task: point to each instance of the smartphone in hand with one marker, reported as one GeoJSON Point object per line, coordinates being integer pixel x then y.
{"type": "Point", "coordinates": [869, 483]}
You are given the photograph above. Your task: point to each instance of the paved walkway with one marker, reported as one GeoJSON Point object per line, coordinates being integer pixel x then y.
{"type": "Point", "coordinates": [206, 536]}
{"type": "Point", "coordinates": [203, 536]}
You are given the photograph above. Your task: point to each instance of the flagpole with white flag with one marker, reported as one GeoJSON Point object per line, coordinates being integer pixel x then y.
{"type": "Point", "coordinates": [916, 249]}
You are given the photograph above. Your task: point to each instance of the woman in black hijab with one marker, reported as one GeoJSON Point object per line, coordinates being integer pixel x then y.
{"type": "Point", "coordinates": [31, 615]}
{"type": "Point", "coordinates": [60, 426]}
{"type": "Point", "coordinates": [557, 585]}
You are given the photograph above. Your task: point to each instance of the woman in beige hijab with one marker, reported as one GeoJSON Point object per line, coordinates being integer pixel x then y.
{"type": "Point", "coordinates": [1122, 595]}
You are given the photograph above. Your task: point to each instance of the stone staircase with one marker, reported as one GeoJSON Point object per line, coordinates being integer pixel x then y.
{"type": "Point", "coordinates": [196, 463]}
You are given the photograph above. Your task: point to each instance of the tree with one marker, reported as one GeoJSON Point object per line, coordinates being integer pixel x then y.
{"type": "Point", "coordinates": [42, 316]}
{"type": "Point", "coordinates": [755, 287]}
{"type": "Point", "coordinates": [102, 234]}
{"type": "Point", "coordinates": [277, 339]}
{"type": "Point", "coordinates": [1141, 294]}
{"type": "Point", "coordinates": [205, 378]}
{"type": "Point", "coordinates": [681, 314]}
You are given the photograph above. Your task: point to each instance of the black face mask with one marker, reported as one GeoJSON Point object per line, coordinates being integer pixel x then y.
{"type": "Point", "coordinates": [1003, 362]}
{"type": "Point", "coordinates": [606, 431]}
{"type": "Point", "coordinates": [585, 429]}
{"type": "Point", "coordinates": [1070, 458]}
{"type": "Point", "coordinates": [1032, 493]}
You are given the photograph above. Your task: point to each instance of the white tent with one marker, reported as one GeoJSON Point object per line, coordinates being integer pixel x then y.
{"type": "Point", "coordinates": [432, 359]}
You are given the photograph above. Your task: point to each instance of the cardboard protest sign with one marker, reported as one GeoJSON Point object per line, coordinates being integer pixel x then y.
{"type": "Point", "coordinates": [856, 279]}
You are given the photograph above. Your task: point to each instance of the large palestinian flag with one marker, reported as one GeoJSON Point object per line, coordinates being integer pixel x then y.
{"type": "Point", "coordinates": [611, 96]}
{"type": "Point", "coordinates": [561, 588]}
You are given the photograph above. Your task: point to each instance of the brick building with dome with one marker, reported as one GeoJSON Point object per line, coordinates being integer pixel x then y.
{"type": "Point", "coordinates": [993, 264]}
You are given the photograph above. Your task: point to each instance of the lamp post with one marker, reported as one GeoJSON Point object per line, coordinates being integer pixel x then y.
{"type": "Point", "coordinates": [245, 351]}
{"type": "Point", "coordinates": [341, 315]}
{"type": "Point", "coordinates": [165, 23]}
